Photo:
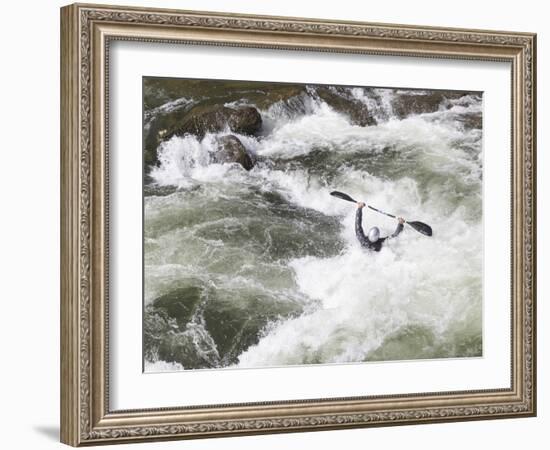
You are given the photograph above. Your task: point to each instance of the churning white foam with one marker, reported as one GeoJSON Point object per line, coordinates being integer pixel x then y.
{"type": "Point", "coordinates": [183, 160]}
{"type": "Point", "coordinates": [432, 142]}
{"type": "Point", "coordinates": [377, 101]}
{"type": "Point", "coordinates": [162, 366]}
{"type": "Point", "coordinates": [368, 296]}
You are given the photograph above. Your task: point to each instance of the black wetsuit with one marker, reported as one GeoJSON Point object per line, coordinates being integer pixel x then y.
{"type": "Point", "coordinates": [364, 240]}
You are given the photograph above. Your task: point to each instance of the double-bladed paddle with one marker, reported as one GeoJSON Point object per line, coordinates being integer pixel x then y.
{"type": "Point", "coordinates": [421, 227]}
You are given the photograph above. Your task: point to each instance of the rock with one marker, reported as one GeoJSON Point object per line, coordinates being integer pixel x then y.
{"type": "Point", "coordinates": [405, 104]}
{"type": "Point", "coordinates": [203, 119]}
{"type": "Point", "coordinates": [231, 150]}
{"type": "Point", "coordinates": [341, 101]}
{"type": "Point", "coordinates": [198, 121]}
{"type": "Point", "coordinates": [150, 158]}
{"type": "Point", "coordinates": [157, 131]}
{"type": "Point", "coordinates": [201, 328]}
{"type": "Point", "coordinates": [245, 120]}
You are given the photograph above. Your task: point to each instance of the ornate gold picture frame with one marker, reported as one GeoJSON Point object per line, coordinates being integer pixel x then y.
{"type": "Point", "coordinates": [87, 31]}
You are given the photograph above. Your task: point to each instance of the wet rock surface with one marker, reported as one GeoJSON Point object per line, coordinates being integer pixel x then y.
{"type": "Point", "coordinates": [340, 101]}
{"type": "Point", "coordinates": [201, 120]}
{"type": "Point", "coordinates": [405, 104]}
{"type": "Point", "coordinates": [231, 150]}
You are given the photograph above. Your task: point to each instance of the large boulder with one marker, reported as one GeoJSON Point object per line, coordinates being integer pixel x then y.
{"type": "Point", "coordinates": [201, 120]}
{"type": "Point", "coordinates": [198, 121]}
{"type": "Point", "coordinates": [231, 150]}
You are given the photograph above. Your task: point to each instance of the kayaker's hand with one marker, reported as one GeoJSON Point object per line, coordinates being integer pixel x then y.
{"type": "Point", "coordinates": [361, 205]}
{"type": "Point", "coordinates": [401, 220]}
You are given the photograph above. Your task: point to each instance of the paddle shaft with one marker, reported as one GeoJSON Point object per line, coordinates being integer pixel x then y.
{"type": "Point", "coordinates": [382, 212]}
{"type": "Point", "coordinates": [346, 197]}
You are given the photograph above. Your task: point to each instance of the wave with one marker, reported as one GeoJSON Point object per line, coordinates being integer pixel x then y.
{"type": "Point", "coordinates": [365, 300]}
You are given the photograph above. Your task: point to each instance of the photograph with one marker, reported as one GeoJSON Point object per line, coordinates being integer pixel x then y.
{"type": "Point", "coordinates": [298, 224]}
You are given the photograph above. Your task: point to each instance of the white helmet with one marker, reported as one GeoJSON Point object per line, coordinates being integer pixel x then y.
{"type": "Point", "coordinates": [374, 234]}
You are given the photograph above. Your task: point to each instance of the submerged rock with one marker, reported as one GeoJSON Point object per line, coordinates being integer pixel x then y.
{"type": "Point", "coordinates": [236, 324]}
{"type": "Point", "coordinates": [200, 328]}
{"type": "Point", "coordinates": [179, 304]}
{"type": "Point", "coordinates": [231, 150]}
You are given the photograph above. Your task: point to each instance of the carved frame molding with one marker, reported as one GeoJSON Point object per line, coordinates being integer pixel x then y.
{"type": "Point", "coordinates": [86, 32]}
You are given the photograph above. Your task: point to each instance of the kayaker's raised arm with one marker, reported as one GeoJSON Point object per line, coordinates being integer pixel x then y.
{"type": "Point", "coordinates": [359, 226]}
{"type": "Point", "coordinates": [399, 229]}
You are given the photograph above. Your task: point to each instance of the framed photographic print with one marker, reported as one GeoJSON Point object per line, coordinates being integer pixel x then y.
{"type": "Point", "coordinates": [276, 224]}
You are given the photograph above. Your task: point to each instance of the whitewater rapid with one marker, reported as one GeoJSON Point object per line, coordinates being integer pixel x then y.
{"type": "Point", "coordinates": [220, 229]}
